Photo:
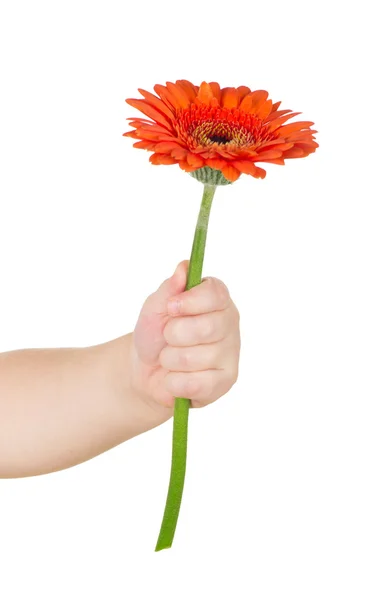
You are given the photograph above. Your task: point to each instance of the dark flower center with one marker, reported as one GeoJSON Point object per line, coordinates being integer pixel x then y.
{"type": "Point", "coordinates": [219, 139]}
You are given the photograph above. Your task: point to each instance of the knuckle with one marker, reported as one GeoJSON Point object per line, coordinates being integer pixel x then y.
{"type": "Point", "coordinates": [222, 292]}
{"type": "Point", "coordinates": [167, 332]}
{"type": "Point", "coordinates": [215, 391]}
{"type": "Point", "coordinates": [221, 388]}
{"type": "Point", "coordinates": [197, 385]}
{"type": "Point", "coordinates": [170, 384]}
{"type": "Point", "coordinates": [228, 380]}
{"type": "Point", "coordinates": [197, 403]}
{"type": "Point", "coordinates": [183, 358]}
{"type": "Point", "coordinates": [236, 313]}
{"type": "Point", "coordinates": [214, 355]}
{"type": "Point", "coordinates": [163, 360]}
{"type": "Point", "coordinates": [172, 332]}
{"type": "Point", "coordinates": [207, 329]}
{"type": "Point", "coordinates": [232, 376]}
{"type": "Point", "coordinates": [209, 388]}
{"type": "Point", "coordinates": [192, 386]}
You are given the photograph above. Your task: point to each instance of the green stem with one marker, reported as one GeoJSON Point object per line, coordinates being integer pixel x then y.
{"type": "Point", "coordinates": [182, 405]}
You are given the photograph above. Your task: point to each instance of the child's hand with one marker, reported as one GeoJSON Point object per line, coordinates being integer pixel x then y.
{"type": "Point", "coordinates": [186, 343]}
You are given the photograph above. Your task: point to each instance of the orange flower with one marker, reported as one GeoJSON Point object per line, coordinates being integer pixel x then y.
{"type": "Point", "coordinates": [228, 129]}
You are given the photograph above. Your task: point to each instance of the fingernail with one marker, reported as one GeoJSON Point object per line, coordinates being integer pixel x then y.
{"type": "Point", "coordinates": [177, 269]}
{"type": "Point", "coordinates": [173, 307]}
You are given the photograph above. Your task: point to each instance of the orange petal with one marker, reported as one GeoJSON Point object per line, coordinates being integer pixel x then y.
{"type": "Point", "coordinates": [144, 145]}
{"type": "Point", "coordinates": [150, 111]}
{"type": "Point", "coordinates": [293, 127]}
{"type": "Point", "coordinates": [280, 147]}
{"type": "Point", "coordinates": [154, 158]}
{"type": "Point", "coordinates": [302, 136]}
{"type": "Point", "coordinates": [158, 129]}
{"type": "Point", "coordinates": [166, 96]}
{"type": "Point", "coordinates": [132, 134]}
{"type": "Point", "coordinates": [277, 113]}
{"type": "Point", "coordinates": [275, 106]}
{"type": "Point", "coordinates": [274, 124]}
{"type": "Point", "coordinates": [274, 161]}
{"type": "Point", "coordinates": [293, 153]}
{"type": "Point", "coordinates": [157, 103]}
{"type": "Point", "coordinates": [307, 148]}
{"type": "Point", "coordinates": [271, 143]}
{"type": "Point", "coordinates": [216, 163]}
{"type": "Point", "coordinates": [246, 103]}
{"type": "Point", "coordinates": [229, 98]}
{"type": "Point", "coordinates": [155, 129]}
{"type": "Point", "coordinates": [305, 144]}
{"type": "Point", "coordinates": [194, 160]}
{"type": "Point", "coordinates": [245, 166]}
{"type": "Point", "coordinates": [268, 154]}
{"type": "Point", "coordinates": [258, 99]}
{"type": "Point", "coordinates": [183, 165]}
{"type": "Point", "coordinates": [152, 135]}
{"type": "Point", "coordinates": [220, 151]}
{"type": "Point", "coordinates": [161, 159]}
{"type": "Point", "coordinates": [215, 90]}
{"type": "Point", "coordinates": [188, 87]}
{"type": "Point", "coordinates": [263, 111]}
{"type": "Point", "coordinates": [179, 94]}
{"type": "Point", "coordinates": [140, 122]}
{"type": "Point", "coordinates": [259, 172]}
{"type": "Point", "coordinates": [179, 153]}
{"type": "Point", "coordinates": [243, 91]}
{"type": "Point", "coordinates": [166, 147]}
{"type": "Point", "coordinates": [186, 167]}
{"type": "Point", "coordinates": [260, 95]}
{"type": "Point", "coordinates": [230, 173]}
{"type": "Point", "coordinates": [167, 160]}
{"type": "Point", "coordinates": [205, 93]}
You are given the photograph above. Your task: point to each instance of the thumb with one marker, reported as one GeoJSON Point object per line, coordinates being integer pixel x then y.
{"type": "Point", "coordinates": [148, 333]}
{"type": "Point", "coordinates": [176, 284]}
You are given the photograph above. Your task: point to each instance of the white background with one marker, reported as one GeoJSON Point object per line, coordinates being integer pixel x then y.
{"type": "Point", "coordinates": [288, 487]}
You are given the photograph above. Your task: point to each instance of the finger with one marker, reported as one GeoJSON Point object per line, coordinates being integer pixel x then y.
{"type": "Point", "coordinates": [192, 358]}
{"type": "Point", "coordinates": [148, 332]}
{"type": "Point", "coordinates": [210, 295]}
{"type": "Point", "coordinates": [157, 302]}
{"type": "Point", "coordinates": [201, 387]}
{"type": "Point", "coordinates": [200, 329]}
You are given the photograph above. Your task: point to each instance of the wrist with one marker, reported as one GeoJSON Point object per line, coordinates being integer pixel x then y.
{"type": "Point", "coordinates": [139, 373]}
{"type": "Point", "coordinates": [141, 411]}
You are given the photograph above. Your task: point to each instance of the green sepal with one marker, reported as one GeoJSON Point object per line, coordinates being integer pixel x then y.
{"type": "Point", "coordinates": [210, 176]}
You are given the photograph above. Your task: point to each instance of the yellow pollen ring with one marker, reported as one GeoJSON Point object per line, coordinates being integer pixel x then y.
{"type": "Point", "coordinates": [220, 132]}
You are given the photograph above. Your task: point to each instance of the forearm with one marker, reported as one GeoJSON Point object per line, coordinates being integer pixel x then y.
{"type": "Point", "coordinates": [60, 407]}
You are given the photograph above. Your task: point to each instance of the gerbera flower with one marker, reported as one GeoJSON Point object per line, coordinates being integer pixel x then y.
{"type": "Point", "coordinates": [216, 135]}
{"type": "Point", "coordinates": [228, 130]}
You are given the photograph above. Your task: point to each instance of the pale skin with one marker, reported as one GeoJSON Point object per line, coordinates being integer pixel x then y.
{"type": "Point", "coordinates": [61, 407]}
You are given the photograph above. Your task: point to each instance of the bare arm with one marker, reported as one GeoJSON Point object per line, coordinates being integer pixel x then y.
{"type": "Point", "coordinates": [60, 407]}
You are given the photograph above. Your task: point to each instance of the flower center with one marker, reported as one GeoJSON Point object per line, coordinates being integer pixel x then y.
{"type": "Point", "coordinates": [213, 127]}
{"type": "Point", "coordinates": [221, 132]}
{"type": "Point", "coordinates": [219, 139]}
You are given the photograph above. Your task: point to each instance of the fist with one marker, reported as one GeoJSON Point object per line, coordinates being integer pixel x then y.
{"type": "Point", "coordinates": [186, 343]}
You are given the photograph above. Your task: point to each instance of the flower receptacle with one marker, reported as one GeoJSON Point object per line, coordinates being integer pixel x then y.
{"type": "Point", "coordinates": [210, 176]}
